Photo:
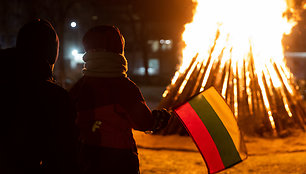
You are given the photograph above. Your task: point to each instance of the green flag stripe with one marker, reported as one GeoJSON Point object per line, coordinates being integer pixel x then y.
{"type": "Point", "coordinates": [218, 132]}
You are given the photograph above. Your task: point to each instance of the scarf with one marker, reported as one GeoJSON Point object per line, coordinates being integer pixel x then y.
{"type": "Point", "coordinates": [104, 64]}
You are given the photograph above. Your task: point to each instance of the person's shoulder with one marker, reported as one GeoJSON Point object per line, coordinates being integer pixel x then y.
{"type": "Point", "coordinates": [75, 87]}
{"type": "Point", "coordinates": [128, 82]}
{"type": "Point", "coordinates": [8, 52]}
{"type": "Point", "coordinates": [131, 89]}
{"type": "Point", "coordinates": [55, 88]}
{"type": "Point", "coordinates": [9, 57]}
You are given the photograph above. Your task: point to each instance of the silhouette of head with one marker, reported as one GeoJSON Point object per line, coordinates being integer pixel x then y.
{"type": "Point", "coordinates": [39, 40]}
{"type": "Point", "coordinates": [104, 38]}
{"type": "Point", "coordinates": [37, 46]}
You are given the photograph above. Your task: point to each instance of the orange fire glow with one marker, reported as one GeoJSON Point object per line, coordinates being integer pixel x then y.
{"type": "Point", "coordinates": [240, 25]}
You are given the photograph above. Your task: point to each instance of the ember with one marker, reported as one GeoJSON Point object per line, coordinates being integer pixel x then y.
{"type": "Point", "coordinates": [236, 47]}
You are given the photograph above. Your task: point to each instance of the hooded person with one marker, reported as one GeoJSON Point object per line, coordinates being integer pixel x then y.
{"type": "Point", "coordinates": [38, 42]}
{"type": "Point", "coordinates": [38, 132]}
{"type": "Point", "coordinates": [109, 105]}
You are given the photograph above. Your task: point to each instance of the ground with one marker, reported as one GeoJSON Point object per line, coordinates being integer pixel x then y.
{"type": "Point", "coordinates": [176, 154]}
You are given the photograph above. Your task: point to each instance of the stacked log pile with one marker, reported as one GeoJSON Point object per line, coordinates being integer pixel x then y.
{"type": "Point", "coordinates": [260, 106]}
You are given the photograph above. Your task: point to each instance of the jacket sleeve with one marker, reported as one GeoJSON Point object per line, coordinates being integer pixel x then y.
{"type": "Point", "coordinates": [140, 115]}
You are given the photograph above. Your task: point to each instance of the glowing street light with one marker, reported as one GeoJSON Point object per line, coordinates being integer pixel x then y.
{"type": "Point", "coordinates": [74, 52]}
{"type": "Point", "coordinates": [76, 57]}
{"type": "Point", "coordinates": [73, 24]}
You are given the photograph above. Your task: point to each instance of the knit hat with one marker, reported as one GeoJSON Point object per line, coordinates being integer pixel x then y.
{"type": "Point", "coordinates": [104, 38]}
{"type": "Point", "coordinates": [39, 39]}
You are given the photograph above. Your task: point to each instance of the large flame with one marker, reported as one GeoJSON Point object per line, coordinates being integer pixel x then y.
{"type": "Point", "coordinates": [238, 29]}
{"type": "Point", "coordinates": [260, 23]}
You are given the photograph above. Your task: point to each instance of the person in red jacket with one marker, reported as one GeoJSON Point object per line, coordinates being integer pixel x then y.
{"type": "Point", "coordinates": [109, 106]}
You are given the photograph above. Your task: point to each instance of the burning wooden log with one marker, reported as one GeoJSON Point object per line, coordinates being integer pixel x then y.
{"type": "Point", "coordinates": [260, 106]}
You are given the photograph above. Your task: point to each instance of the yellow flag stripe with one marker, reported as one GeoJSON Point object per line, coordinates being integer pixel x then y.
{"type": "Point", "coordinates": [226, 116]}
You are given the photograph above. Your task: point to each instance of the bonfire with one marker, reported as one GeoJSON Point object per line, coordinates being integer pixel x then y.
{"type": "Point", "coordinates": [236, 46]}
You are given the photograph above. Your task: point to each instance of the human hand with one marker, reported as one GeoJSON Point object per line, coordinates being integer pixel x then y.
{"type": "Point", "coordinates": [161, 118]}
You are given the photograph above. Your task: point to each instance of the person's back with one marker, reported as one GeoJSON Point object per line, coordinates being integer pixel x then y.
{"type": "Point", "coordinates": [38, 131]}
{"type": "Point", "coordinates": [109, 106]}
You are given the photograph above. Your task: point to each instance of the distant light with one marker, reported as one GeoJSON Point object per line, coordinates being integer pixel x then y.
{"type": "Point", "coordinates": [163, 41]}
{"type": "Point", "coordinates": [94, 18]}
{"type": "Point", "coordinates": [73, 24]}
{"type": "Point", "coordinates": [76, 58]}
{"type": "Point", "coordinates": [74, 52]}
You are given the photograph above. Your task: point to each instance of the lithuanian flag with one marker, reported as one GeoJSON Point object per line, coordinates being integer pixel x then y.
{"type": "Point", "coordinates": [214, 129]}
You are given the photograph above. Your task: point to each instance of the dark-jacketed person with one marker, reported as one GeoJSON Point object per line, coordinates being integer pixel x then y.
{"type": "Point", "coordinates": [38, 132]}
{"type": "Point", "coordinates": [109, 106]}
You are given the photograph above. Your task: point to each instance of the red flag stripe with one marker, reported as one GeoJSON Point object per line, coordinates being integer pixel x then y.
{"type": "Point", "coordinates": [201, 135]}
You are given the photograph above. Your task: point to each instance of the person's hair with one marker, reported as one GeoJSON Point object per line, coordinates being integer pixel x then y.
{"type": "Point", "coordinates": [104, 38]}
{"type": "Point", "coordinates": [38, 42]}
